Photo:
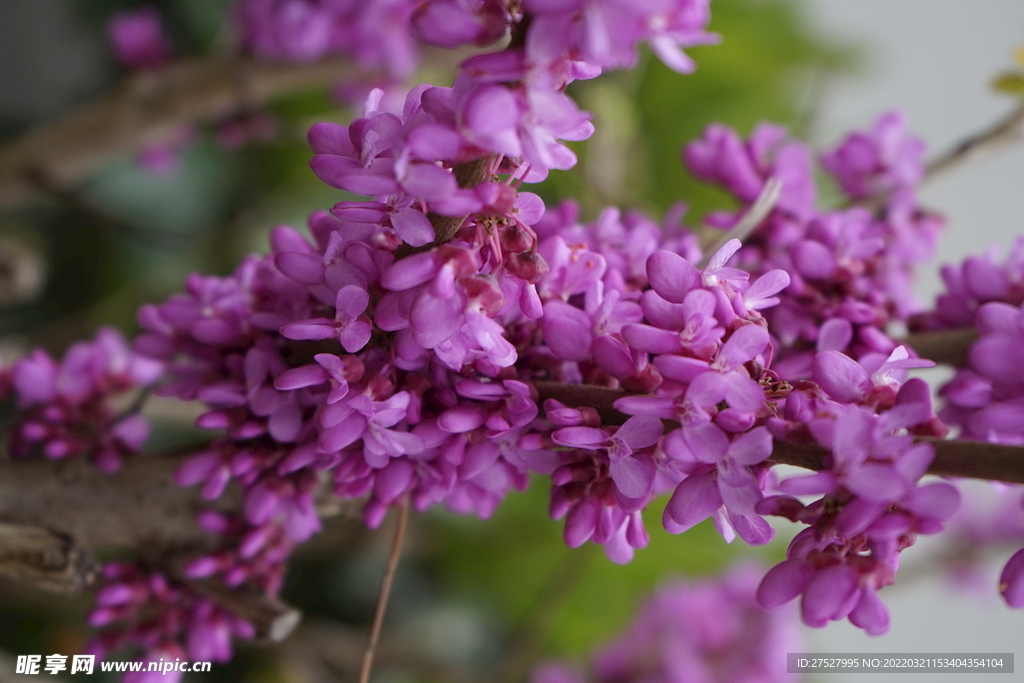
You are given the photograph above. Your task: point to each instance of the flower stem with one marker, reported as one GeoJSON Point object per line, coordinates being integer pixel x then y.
{"type": "Point", "coordinates": [385, 592]}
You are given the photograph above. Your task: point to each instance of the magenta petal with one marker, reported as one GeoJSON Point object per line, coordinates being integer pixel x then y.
{"type": "Point", "coordinates": [436, 320]}
{"type": "Point", "coordinates": [739, 488]}
{"type": "Point", "coordinates": [355, 335]}
{"type": "Point", "coordinates": [351, 301]}
{"type": "Point", "coordinates": [694, 500]}
{"type": "Point", "coordinates": [681, 368]}
{"type": "Point", "coordinates": [567, 331]}
{"type": "Point", "coordinates": [1011, 580]}
{"type": "Point", "coordinates": [857, 515]}
{"type": "Point", "coordinates": [752, 448]}
{"type": "Point", "coordinates": [877, 483]}
{"type": "Point", "coordinates": [992, 354]}
{"type": "Point", "coordinates": [313, 329]}
{"type": "Point", "coordinates": [671, 276]}
{"type": "Point", "coordinates": [707, 389]}
{"type": "Point", "coordinates": [997, 316]}
{"type": "Point", "coordinates": [651, 339]}
{"type": "Point", "coordinates": [753, 529]}
{"type": "Point", "coordinates": [411, 271]}
{"type": "Point", "coordinates": [706, 441]}
{"type": "Point", "coordinates": [634, 477]}
{"type": "Point", "coordinates": [761, 293]}
{"type": "Point", "coordinates": [835, 335]}
{"type": "Point", "coordinates": [657, 406]}
{"type": "Point", "coordinates": [343, 434]}
{"type": "Point", "coordinates": [285, 423]}
{"type": "Point", "coordinates": [580, 437]}
{"type": "Point", "coordinates": [298, 378]}
{"type": "Point", "coordinates": [413, 227]}
{"type": "Point", "coordinates": [613, 357]}
{"type": "Point", "coordinates": [641, 431]}
{"type": "Point", "coordinates": [826, 593]}
{"type": "Point", "coordinates": [812, 484]}
{"type": "Point", "coordinates": [478, 458]}
{"type": "Point", "coordinates": [330, 138]}
{"type": "Point", "coordinates": [744, 344]}
{"type": "Point", "coordinates": [429, 182]}
{"type": "Point", "coordinates": [840, 376]}
{"type": "Point", "coordinates": [393, 480]}
{"type": "Point", "coordinates": [581, 522]}
{"type": "Point", "coordinates": [870, 613]}
{"type": "Point", "coordinates": [934, 501]}
{"type": "Point", "coordinates": [307, 269]}
{"type": "Point", "coordinates": [783, 582]}
{"type": "Point", "coordinates": [197, 468]}
{"type": "Point", "coordinates": [462, 419]}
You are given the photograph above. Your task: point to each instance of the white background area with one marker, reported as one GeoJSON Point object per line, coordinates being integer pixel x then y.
{"type": "Point", "coordinates": [934, 59]}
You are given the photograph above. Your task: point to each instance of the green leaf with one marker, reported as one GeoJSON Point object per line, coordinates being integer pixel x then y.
{"type": "Point", "coordinates": [1010, 84]}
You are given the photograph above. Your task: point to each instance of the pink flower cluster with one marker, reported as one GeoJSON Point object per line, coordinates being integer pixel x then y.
{"type": "Point", "coordinates": [976, 281]}
{"type": "Point", "coordinates": [872, 504]}
{"type": "Point", "coordinates": [985, 399]}
{"type": "Point", "coordinates": [445, 336]}
{"type": "Point", "coordinates": [70, 408]}
{"type": "Point", "coordinates": [374, 32]}
{"type": "Point", "coordinates": [141, 608]}
{"type": "Point", "coordinates": [851, 268]}
{"type": "Point", "coordinates": [711, 631]}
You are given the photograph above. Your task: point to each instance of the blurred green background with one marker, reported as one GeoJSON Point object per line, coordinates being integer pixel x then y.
{"type": "Point", "coordinates": [474, 600]}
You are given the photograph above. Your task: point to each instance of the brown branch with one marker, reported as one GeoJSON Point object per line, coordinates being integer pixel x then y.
{"type": "Point", "coordinates": [467, 175]}
{"type": "Point", "coordinates": [953, 458]}
{"type": "Point", "coordinates": [45, 559]}
{"type": "Point", "coordinates": [385, 592]}
{"type": "Point", "coordinates": [139, 506]}
{"type": "Point", "coordinates": [948, 347]}
{"type": "Point", "coordinates": [1007, 130]}
{"type": "Point", "coordinates": [273, 620]}
{"type": "Point", "coordinates": [148, 108]}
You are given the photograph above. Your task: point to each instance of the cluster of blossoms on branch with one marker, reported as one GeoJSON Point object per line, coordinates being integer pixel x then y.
{"type": "Point", "coordinates": [984, 400]}
{"type": "Point", "coordinates": [702, 631]}
{"type": "Point", "coordinates": [446, 336]}
{"type": "Point", "coordinates": [851, 267]}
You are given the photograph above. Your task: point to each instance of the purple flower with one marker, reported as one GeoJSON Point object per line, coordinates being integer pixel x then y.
{"type": "Point", "coordinates": [866, 164]}
{"type": "Point", "coordinates": [738, 488]}
{"type": "Point", "coordinates": [710, 630]}
{"type": "Point", "coordinates": [138, 38]}
{"type": "Point", "coordinates": [633, 476]}
{"type": "Point", "coordinates": [350, 326]}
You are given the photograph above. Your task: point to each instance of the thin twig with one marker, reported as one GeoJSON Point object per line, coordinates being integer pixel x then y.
{"type": "Point", "coordinates": [385, 592]}
{"type": "Point", "coordinates": [758, 211]}
{"type": "Point", "coordinates": [1007, 130]}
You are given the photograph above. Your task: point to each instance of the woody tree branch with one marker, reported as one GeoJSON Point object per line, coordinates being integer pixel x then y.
{"type": "Point", "coordinates": [149, 107]}
{"type": "Point", "coordinates": [953, 458]}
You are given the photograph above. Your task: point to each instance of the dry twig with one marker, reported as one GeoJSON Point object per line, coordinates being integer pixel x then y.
{"type": "Point", "coordinates": [385, 592]}
{"type": "Point", "coordinates": [147, 108]}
